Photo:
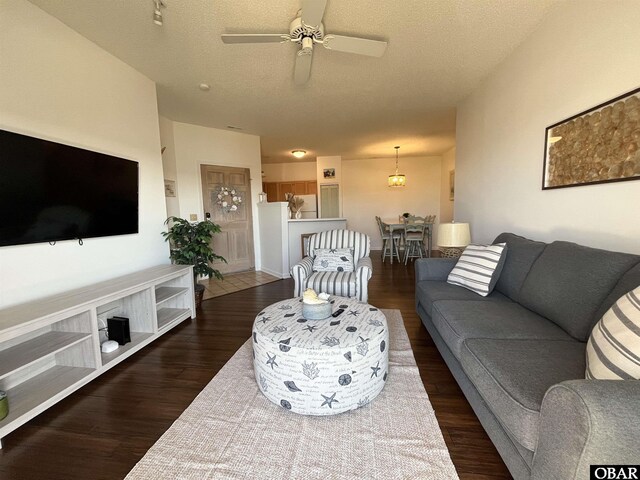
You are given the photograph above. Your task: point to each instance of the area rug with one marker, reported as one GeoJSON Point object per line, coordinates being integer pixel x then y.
{"type": "Point", "coordinates": [231, 431]}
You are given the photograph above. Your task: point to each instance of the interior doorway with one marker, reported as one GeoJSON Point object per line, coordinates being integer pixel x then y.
{"type": "Point", "coordinates": [227, 202]}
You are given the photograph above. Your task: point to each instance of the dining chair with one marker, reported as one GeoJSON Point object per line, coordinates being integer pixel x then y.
{"type": "Point", "coordinates": [387, 239]}
{"type": "Point", "coordinates": [414, 232]}
{"type": "Point", "coordinates": [429, 221]}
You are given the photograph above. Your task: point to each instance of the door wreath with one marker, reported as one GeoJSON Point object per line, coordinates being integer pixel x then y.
{"type": "Point", "coordinates": [228, 199]}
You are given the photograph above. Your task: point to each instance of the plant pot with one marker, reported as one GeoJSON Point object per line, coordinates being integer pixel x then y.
{"type": "Point", "coordinates": [199, 291]}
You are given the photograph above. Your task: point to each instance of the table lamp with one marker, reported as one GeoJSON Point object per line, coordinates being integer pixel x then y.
{"type": "Point", "coordinates": [452, 238]}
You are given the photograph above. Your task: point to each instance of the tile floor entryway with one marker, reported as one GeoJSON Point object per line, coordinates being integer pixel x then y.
{"type": "Point", "coordinates": [234, 282]}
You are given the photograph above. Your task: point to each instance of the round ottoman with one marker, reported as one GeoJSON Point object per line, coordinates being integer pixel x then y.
{"type": "Point", "coordinates": [321, 367]}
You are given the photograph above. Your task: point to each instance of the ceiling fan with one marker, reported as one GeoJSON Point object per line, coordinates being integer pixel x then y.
{"type": "Point", "coordinates": [306, 30]}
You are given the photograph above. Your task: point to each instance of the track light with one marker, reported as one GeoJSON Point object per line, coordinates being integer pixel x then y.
{"type": "Point", "coordinates": [157, 13]}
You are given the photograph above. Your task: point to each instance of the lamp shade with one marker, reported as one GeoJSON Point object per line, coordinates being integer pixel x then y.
{"type": "Point", "coordinates": [453, 235]}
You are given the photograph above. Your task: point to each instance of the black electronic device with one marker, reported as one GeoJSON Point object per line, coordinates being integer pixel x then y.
{"type": "Point", "coordinates": [118, 330]}
{"type": "Point", "coordinates": [337, 312]}
{"type": "Point", "coordinates": [51, 192]}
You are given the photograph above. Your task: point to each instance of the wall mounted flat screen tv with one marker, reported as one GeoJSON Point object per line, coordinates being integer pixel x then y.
{"type": "Point", "coordinates": [51, 192]}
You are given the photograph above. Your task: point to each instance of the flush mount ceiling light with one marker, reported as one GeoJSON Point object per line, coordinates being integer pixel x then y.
{"type": "Point", "coordinates": [157, 13]}
{"type": "Point", "coordinates": [205, 87]}
{"type": "Point", "coordinates": [398, 179]}
{"type": "Point", "coordinates": [298, 153]}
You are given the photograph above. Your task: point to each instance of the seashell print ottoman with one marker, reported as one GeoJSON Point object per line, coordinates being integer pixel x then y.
{"type": "Point", "coordinates": [321, 367]}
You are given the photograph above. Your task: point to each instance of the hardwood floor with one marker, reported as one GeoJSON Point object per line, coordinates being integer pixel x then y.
{"type": "Point", "coordinates": [103, 429]}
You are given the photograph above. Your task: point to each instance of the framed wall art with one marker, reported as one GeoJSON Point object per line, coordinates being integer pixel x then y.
{"type": "Point", "coordinates": [329, 173]}
{"type": "Point", "coordinates": [169, 188]}
{"type": "Point", "coordinates": [599, 145]}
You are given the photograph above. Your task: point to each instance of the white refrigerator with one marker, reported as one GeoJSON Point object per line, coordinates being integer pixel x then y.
{"type": "Point", "coordinates": [310, 207]}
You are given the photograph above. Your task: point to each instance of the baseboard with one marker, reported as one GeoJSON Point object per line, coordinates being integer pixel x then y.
{"type": "Point", "coordinates": [275, 274]}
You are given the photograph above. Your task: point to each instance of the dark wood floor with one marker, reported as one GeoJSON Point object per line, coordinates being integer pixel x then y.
{"type": "Point", "coordinates": [102, 430]}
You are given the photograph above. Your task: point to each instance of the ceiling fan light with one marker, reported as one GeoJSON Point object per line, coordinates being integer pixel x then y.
{"type": "Point", "coordinates": [298, 153]}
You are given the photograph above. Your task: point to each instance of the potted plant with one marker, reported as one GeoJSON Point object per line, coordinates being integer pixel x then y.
{"type": "Point", "coordinates": [191, 245]}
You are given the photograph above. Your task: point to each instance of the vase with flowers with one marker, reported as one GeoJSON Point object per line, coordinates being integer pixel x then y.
{"type": "Point", "coordinates": [295, 204]}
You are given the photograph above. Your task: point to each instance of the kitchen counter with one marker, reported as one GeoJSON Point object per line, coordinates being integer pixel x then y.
{"type": "Point", "coordinates": [308, 220]}
{"type": "Point", "coordinates": [281, 238]}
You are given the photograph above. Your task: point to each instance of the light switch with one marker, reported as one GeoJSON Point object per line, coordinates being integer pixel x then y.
{"type": "Point", "coordinates": [193, 217]}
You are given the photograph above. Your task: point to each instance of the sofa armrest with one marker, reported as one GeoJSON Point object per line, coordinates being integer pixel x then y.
{"type": "Point", "coordinates": [434, 268]}
{"type": "Point", "coordinates": [364, 268]}
{"type": "Point", "coordinates": [587, 422]}
{"type": "Point", "coordinates": [363, 271]}
{"type": "Point", "coordinates": [300, 271]}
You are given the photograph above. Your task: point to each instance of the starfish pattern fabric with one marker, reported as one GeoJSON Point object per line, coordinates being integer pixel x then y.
{"type": "Point", "coordinates": [271, 361]}
{"type": "Point", "coordinates": [329, 400]}
{"type": "Point", "coordinates": [320, 367]}
{"type": "Point", "coordinates": [375, 369]}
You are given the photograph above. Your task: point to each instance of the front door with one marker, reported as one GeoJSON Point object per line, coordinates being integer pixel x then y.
{"type": "Point", "coordinates": [227, 199]}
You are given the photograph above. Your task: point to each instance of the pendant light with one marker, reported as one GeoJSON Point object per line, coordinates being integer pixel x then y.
{"type": "Point", "coordinates": [397, 180]}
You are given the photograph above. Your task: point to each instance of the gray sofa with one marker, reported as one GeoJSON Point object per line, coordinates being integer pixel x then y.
{"type": "Point", "coordinates": [519, 355]}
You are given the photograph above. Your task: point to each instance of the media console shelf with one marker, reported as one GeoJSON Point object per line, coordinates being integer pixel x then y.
{"type": "Point", "coordinates": [50, 347]}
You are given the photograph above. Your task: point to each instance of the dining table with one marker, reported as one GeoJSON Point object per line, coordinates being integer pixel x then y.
{"type": "Point", "coordinates": [394, 224]}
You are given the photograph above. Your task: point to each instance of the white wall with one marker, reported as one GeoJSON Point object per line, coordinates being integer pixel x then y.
{"type": "Point", "coordinates": [196, 145]}
{"type": "Point", "coordinates": [169, 164]}
{"type": "Point", "coordinates": [583, 54]}
{"type": "Point", "coordinates": [446, 204]}
{"type": "Point", "coordinates": [57, 85]}
{"type": "Point", "coordinates": [274, 238]}
{"type": "Point", "coordinates": [286, 172]}
{"type": "Point", "coordinates": [366, 192]}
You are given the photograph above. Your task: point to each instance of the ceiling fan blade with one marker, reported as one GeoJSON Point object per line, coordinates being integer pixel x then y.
{"type": "Point", "coordinates": [360, 46]}
{"type": "Point", "coordinates": [312, 12]}
{"type": "Point", "coordinates": [255, 37]}
{"type": "Point", "coordinates": [303, 67]}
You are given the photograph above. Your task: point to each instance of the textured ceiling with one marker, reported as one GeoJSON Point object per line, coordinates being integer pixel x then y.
{"type": "Point", "coordinates": [357, 107]}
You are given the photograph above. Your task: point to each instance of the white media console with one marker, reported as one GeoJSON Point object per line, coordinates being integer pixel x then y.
{"type": "Point", "coordinates": [50, 347]}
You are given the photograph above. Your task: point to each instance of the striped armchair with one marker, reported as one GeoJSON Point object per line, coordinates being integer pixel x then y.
{"type": "Point", "coordinates": [346, 284]}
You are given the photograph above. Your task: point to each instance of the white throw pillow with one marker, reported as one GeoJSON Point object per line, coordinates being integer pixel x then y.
{"type": "Point", "coordinates": [479, 267]}
{"type": "Point", "coordinates": [333, 260]}
{"type": "Point", "coordinates": [613, 349]}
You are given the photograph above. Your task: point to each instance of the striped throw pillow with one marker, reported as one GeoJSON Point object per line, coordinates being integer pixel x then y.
{"type": "Point", "coordinates": [479, 267]}
{"type": "Point", "coordinates": [613, 349]}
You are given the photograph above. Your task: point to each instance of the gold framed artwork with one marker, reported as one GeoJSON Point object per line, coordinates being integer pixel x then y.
{"type": "Point", "coordinates": [599, 145]}
{"type": "Point", "coordinates": [452, 184]}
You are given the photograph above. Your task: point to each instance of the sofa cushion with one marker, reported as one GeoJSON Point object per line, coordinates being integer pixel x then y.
{"type": "Point", "coordinates": [569, 282]}
{"type": "Point", "coordinates": [456, 321]}
{"type": "Point", "coordinates": [627, 282]}
{"type": "Point", "coordinates": [613, 350]}
{"type": "Point", "coordinates": [429, 291]}
{"type": "Point", "coordinates": [512, 377]}
{"type": "Point", "coordinates": [335, 283]}
{"type": "Point", "coordinates": [521, 253]}
{"type": "Point", "coordinates": [478, 268]}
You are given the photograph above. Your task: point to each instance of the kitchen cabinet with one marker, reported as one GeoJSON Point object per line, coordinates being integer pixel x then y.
{"type": "Point", "coordinates": [276, 190]}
